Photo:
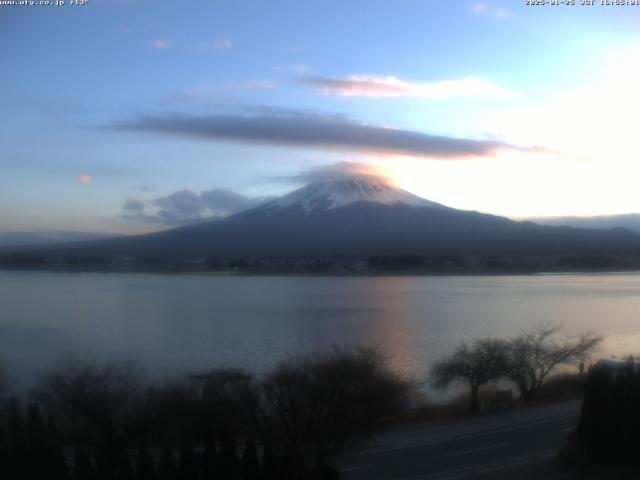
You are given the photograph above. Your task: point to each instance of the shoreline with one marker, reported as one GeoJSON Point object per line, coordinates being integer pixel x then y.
{"type": "Point", "coordinates": [254, 273]}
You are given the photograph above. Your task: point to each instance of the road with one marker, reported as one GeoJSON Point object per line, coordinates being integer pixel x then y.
{"type": "Point", "coordinates": [487, 454]}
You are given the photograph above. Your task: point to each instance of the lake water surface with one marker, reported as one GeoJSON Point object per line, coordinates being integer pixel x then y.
{"type": "Point", "coordinates": [189, 323]}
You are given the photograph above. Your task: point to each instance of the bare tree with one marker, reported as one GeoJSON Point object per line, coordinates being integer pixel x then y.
{"type": "Point", "coordinates": [95, 395]}
{"type": "Point", "coordinates": [211, 400]}
{"type": "Point", "coordinates": [475, 364]}
{"type": "Point", "coordinates": [536, 354]}
{"type": "Point", "coordinates": [319, 404]}
{"type": "Point", "coordinates": [171, 408]}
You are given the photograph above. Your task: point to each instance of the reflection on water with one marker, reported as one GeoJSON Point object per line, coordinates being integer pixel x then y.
{"type": "Point", "coordinates": [177, 324]}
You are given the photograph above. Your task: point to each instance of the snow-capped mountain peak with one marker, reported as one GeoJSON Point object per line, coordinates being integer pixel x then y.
{"type": "Point", "coordinates": [327, 195]}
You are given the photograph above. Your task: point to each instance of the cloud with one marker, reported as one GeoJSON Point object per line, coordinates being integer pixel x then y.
{"type": "Point", "coordinates": [484, 8]}
{"type": "Point", "coordinates": [186, 206]}
{"type": "Point", "coordinates": [161, 44]}
{"type": "Point", "coordinates": [380, 87]}
{"type": "Point", "coordinates": [225, 202]}
{"type": "Point", "coordinates": [84, 179]}
{"type": "Point", "coordinates": [339, 171]}
{"type": "Point", "coordinates": [293, 128]}
{"type": "Point", "coordinates": [183, 206]}
{"type": "Point", "coordinates": [218, 44]}
{"type": "Point", "coordinates": [133, 205]}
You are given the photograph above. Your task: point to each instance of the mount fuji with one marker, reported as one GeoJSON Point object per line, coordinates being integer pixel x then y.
{"type": "Point", "coordinates": [359, 216]}
{"type": "Point", "coordinates": [327, 195]}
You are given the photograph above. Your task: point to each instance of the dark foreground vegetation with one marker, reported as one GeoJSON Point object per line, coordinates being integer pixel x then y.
{"type": "Point", "coordinates": [610, 417]}
{"type": "Point", "coordinates": [88, 419]}
{"type": "Point", "coordinates": [605, 444]}
{"type": "Point", "coordinates": [97, 420]}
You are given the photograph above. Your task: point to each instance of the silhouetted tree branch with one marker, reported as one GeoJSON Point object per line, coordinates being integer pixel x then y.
{"type": "Point", "coordinates": [95, 394]}
{"type": "Point", "coordinates": [319, 404]}
{"type": "Point", "coordinates": [475, 364]}
{"type": "Point", "coordinates": [534, 355]}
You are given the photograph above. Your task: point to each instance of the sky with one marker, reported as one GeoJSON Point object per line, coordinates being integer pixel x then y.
{"type": "Point", "coordinates": [128, 116]}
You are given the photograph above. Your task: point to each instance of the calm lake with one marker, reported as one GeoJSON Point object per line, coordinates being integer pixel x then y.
{"type": "Point", "coordinates": [176, 324]}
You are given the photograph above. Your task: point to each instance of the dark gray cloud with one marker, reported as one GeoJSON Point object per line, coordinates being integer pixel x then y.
{"type": "Point", "coordinates": [185, 206]}
{"type": "Point", "coordinates": [133, 205]}
{"type": "Point", "coordinates": [304, 129]}
{"type": "Point", "coordinates": [225, 201]}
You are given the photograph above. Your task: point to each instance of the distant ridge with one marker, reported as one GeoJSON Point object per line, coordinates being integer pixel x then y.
{"type": "Point", "coordinates": [630, 221]}
{"type": "Point", "coordinates": [13, 239]}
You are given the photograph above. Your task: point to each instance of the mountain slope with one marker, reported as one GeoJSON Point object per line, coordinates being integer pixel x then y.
{"type": "Point", "coordinates": [630, 221]}
{"type": "Point", "coordinates": [358, 217]}
{"type": "Point", "coordinates": [12, 239]}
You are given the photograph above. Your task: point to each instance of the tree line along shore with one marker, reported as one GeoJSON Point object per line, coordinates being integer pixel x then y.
{"type": "Point", "coordinates": [326, 265]}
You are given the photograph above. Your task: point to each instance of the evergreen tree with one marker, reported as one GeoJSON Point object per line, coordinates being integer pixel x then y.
{"type": "Point", "coordinates": [228, 460]}
{"type": "Point", "coordinates": [56, 462]}
{"type": "Point", "coordinates": [18, 461]}
{"type": "Point", "coordinates": [593, 426]}
{"type": "Point", "coordinates": [634, 421]}
{"type": "Point", "coordinates": [167, 468]}
{"type": "Point", "coordinates": [145, 467]}
{"type": "Point", "coordinates": [270, 463]}
{"type": "Point", "coordinates": [105, 469]}
{"type": "Point", "coordinates": [187, 465]}
{"type": "Point", "coordinates": [621, 442]}
{"type": "Point", "coordinates": [287, 467]}
{"type": "Point", "coordinates": [4, 455]}
{"type": "Point", "coordinates": [36, 443]}
{"type": "Point", "coordinates": [82, 466]}
{"type": "Point", "coordinates": [250, 462]}
{"type": "Point", "coordinates": [209, 458]}
{"type": "Point", "coordinates": [125, 470]}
